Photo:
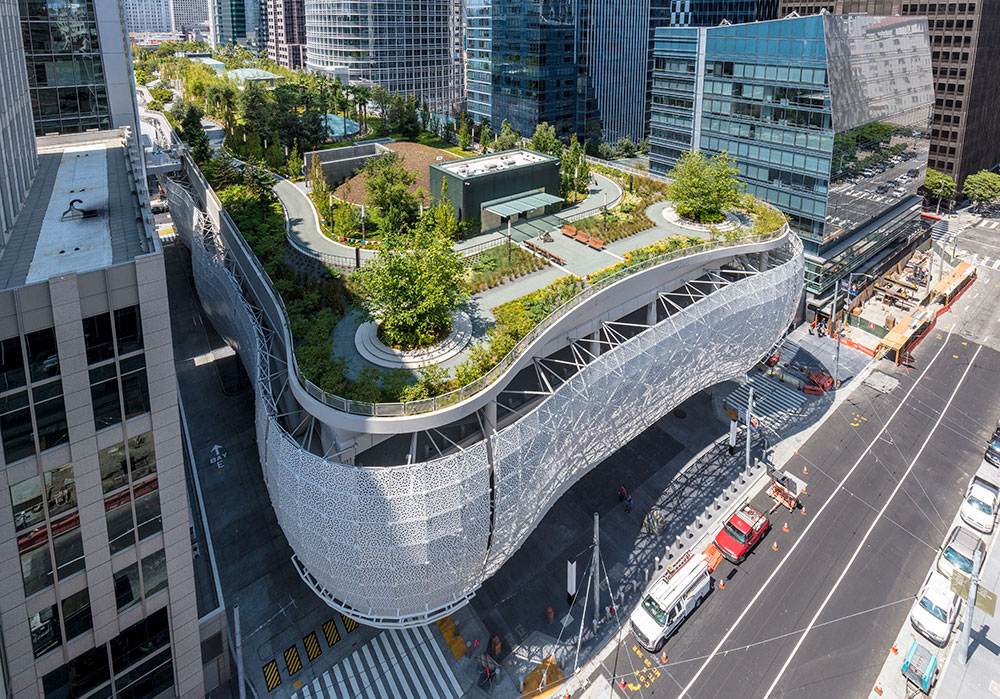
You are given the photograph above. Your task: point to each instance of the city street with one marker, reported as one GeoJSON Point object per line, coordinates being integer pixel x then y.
{"type": "Point", "coordinates": [886, 474]}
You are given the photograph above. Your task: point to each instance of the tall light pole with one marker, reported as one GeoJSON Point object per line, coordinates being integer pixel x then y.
{"type": "Point", "coordinates": [836, 300]}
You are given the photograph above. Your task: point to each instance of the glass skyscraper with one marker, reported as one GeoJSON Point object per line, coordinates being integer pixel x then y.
{"type": "Point", "coordinates": [828, 118]}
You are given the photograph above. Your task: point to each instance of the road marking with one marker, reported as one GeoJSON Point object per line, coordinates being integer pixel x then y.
{"type": "Point", "coordinates": [292, 660]}
{"type": "Point", "coordinates": [871, 528]}
{"type": "Point", "coordinates": [815, 518]}
{"type": "Point", "coordinates": [996, 264]}
{"type": "Point", "coordinates": [349, 623]}
{"type": "Point", "coordinates": [312, 645]}
{"type": "Point", "coordinates": [331, 632]}
{"type": "Point", "coordinates": [271, 675]}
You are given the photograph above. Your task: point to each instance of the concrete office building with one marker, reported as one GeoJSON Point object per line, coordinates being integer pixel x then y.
{"type": "Point", "coordinates": [828, 118]}
{"type": "Point", "coordinates": [412, 47]}
{"type": "Point", "coordinates": [148, 15]}
{"type": "Point", "coordinates": [79, 68]}
{"type": "Point", "coordinates": [189, 14]}
{"type": "Point", "coordinates": [285, 24]}
{"type": "Point", "coordinates": [18, 160]}
{"type": "Point", "coordinates": [965, 61]}
{"type": "Point", "coordinates": [234, 22]}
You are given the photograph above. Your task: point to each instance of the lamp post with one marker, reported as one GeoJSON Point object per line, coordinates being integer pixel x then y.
{"type": "Point", "coordinates": [836, 301]}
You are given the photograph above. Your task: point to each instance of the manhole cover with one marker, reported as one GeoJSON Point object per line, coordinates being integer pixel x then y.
{"type": "Point", "coordinates": [680, 414]}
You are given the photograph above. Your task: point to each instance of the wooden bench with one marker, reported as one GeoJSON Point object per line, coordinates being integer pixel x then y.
{"type": "Point", "coordinates": [544, 253]}
{"type": "Point", "coordinates": [569, 231]}
{"type": "Point", "coordinates": [595, 243]}
{"type": "Point", "coordinates": [582, 236]}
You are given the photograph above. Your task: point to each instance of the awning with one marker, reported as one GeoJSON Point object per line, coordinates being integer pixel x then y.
{"type": "Point", "coordinates": [522, 205]}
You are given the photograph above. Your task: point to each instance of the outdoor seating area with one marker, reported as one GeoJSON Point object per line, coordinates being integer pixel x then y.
{"type": "Point", "coordinates": [582, 236]}
{"type": "Point", "coordinates": [534, 247]}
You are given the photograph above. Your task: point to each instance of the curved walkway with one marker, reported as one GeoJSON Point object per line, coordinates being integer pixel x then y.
{"type": "Point", "coordinates": [594, 201]}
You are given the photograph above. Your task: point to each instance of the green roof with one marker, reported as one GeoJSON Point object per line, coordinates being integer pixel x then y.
{"type": "Point", "coordinates": [522, 204]}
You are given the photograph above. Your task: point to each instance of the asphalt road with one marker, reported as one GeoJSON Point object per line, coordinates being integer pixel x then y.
{"type": "Point", "coordinates": [817, 617]}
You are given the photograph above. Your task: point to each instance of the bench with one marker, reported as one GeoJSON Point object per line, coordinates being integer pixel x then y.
{"type": "Point", "coordinates": [595, 243]}
{"type": "Point", "coordinates": [544, 253]}
{"type": "Point", "coordinates": [569, 231]}
{"type": "Point", "coordinates": [582, 236]}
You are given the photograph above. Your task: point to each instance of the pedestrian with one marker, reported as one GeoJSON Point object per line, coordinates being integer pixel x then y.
{"type": "Point", "coordinates": [628, 503]}
{"type": "Point", "coordinates": [621, 494]}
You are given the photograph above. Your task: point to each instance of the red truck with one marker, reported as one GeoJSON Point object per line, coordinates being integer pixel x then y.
{"type": "Point", "coordinates": [741, 533]}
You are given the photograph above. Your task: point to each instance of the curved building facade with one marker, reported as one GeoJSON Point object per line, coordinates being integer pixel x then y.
{"type": "Point", "coordinates": [412, 47]}
{"type": "Point", "coordinates": [18, 159]}
{"type": "Point", "coordinates": [396, 521]}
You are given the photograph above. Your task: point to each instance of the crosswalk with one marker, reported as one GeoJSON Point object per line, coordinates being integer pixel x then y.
{"type": "Point", "coordinates": [993, 225]}
{"type": "Point", "coordinates": [978, 260]}
{"type": "Point", "coordinates": [395, 664]}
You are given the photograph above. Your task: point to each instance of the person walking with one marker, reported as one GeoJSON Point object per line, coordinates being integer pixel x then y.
{"type": "Point", "coordinates": [628, 503]}
{"type": "Point", "coordinates": [621, 494]}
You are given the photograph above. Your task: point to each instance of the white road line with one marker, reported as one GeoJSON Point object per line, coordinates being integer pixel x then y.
{"type": "Point", "coordinates": [397, 639]}
{"type": "Point", "coordinates": [996, 264]}
{"type": "Point", "coordinates": [318, 688]}
{"type": "Point", "coordinates": [306, 694]}
{"type": "Point", "coordinates": [430, 657]}
{"type": "Point", "coordinates": [387, 668]}
{"type": "Point", "coordinates": [871, 528]}
{"type": "Point", "coordinates": [447, 668]}
{"type": "Point", "coordinates": [812, 521]}
{"type": "Point", "coordinates": [329, 684]}
{"type": "Point", "coordinates": [340, 678]}
{"type": "Point", "coordinates": [374, 673]}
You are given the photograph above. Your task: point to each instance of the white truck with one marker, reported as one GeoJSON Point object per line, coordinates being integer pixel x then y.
{"type": "Point", "coordinates": [979, 507]}
{"type": "Point", "coordinates": [669, 600]}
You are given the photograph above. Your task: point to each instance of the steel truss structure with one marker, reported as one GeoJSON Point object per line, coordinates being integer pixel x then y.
{"type": "Point", "coordinates": [404, 545]}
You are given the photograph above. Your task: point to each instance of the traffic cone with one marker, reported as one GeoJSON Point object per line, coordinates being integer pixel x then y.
{"type": "Point", "coordinates": [803, 510]}
{"type": "Point", "coordinates": [722, 584]}
{"type": "Point", "coordinates": [775, 546]}
{"type": "Point", "coordinates": [621, 683]}
{"type": "Point", "coordinates": [878, 688]}
{"type": "Point", "coordinates": [805, 470]}
{"type": "Point", "coordinates": [804, 490]}
{"type": "Point", "coordinates": [894, 649]}
{"type": "Point", "coordinates": [785, 527]}
{"type": "Point", "coordinates": [664, 656]}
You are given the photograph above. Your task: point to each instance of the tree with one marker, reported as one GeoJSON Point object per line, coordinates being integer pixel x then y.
{"type": "Point", "coordinates": [295, 161]}
{"type": "Point", "coordinates": [409, 120]}
{"type": "Point", "coordinates": [383, 100]}
{"type": "Point", "coordinates": [625, 148]}
{"type": "Point", "coordinates": [507, 139]}
{"type": "Point", "coordinates": [256, 109]}
{"type": "Point", "coordinates": [485, 135]}
{"type": "Point", "coordinates": [982, 188]}
{"type": "Point", "coordinates": [273, 155]}
{"type": "Point", "coordinates": [605, 151]}
{"type": "Point", "coordinates": [464, 140]}
{"type": "Point", "coordinates": [545, 141]}
{"type": "Point", "coordinates": [939, 185]}
{"type": "Point", "coordinates": [345, 220]}
{"type": "Point", "coordinates": [387, 185]}
{"type": "Point", "coordinates": [703, 188]}
{"type": "Point", "coordinates": [574, 173]}
{"type": "Point", "coordinates": [413, 291]}
{"type": "Point", "coordinates": [317, 180]}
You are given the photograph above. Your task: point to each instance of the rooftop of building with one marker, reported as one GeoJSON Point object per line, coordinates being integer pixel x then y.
{"type": "Point", "coordinates": [242, 75]}
{"type": "Point", "coordinates": [81, 214]}
{"type": "Point", "coordinates": [479, 165]}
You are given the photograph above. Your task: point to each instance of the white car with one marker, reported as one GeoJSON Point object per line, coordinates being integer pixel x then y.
{"type": "Point", "coordinates": [936, 610]}
{"type": "Point", "coordinates": [979, 509]}
{"type": "Point", "coordinates": [959, 552]}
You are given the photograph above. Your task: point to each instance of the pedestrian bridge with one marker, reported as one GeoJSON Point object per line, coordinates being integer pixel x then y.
{"type": "Point", "coordinates": [397, 513]}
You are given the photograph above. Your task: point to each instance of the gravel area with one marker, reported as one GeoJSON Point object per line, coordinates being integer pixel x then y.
{"type": "Point", "coordinates": [415, 156]}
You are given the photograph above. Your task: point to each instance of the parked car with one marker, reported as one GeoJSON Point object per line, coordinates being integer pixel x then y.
{"type": "Point", "coordinates": [883, 188]}
{"type": "Point", "coordinates": [742, 532]}
{"type": "Point", "coordinates": [936, 610]}
{"type": "Point", "coordinates": [992, 455]}
{"type": "Point", "coordinates": [959, 551]}
{"type": "Point", "coordinates": [898, 192]}
{"type": "Point", "coordinates": [979, 508]}
{"type": "Point", "coordinates": [912, 173]}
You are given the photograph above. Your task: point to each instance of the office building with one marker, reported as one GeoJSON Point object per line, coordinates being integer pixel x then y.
{"type": "Point", "coordinates": [828, 118]}
{"type": "Point", "coordinates": [711, 13]}
{"type": "Point", "coordinates": [148, 15]}
{"type": "Point", "coordinates": [478, 59]}
{"type": "Point", "coordinates": [18, 160]}
{"type": "Point", "coordinates": [79, 71]}
{"type": "Point", "coordinates": [190, 14]}
{"type": "Point", "coordinates": [965, 60]}
{"type": "Point", "coordinates": [286, 32]}
{"type": "Point", "coordinates": [412, 47]}
{"type": "Point", "coordinates": [234, 22]}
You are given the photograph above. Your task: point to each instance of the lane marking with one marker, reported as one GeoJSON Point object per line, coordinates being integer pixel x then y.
{"type": "Point", "coordinates": [777, 569]}
{"type": "Point", "coordinates": [871, 528]}
{"type": "Point", "coordinates": [312, 645]}
{"type": "Point", "coordinates": [331, 632]}
{"type": "Point", "coordinates": [271, 675]}
{"type": "Point", "coordinates": [292, 660]}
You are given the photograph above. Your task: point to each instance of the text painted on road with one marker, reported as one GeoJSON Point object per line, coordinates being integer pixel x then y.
{"type": "Point", "coordinates": [218, 457]}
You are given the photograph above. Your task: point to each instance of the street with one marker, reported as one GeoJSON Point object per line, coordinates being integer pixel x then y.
{"type": "Point", "coordinates": [886, 474]}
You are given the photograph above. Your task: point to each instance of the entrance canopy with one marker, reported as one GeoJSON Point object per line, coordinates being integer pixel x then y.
{"type": "Point", "coordinates": [522, 205]}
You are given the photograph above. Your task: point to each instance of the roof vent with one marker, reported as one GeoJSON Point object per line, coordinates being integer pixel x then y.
{"type": "Point", "coordinates": [73, 213]}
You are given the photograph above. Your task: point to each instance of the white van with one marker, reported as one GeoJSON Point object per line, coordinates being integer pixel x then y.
{"type": "Point", "coordinates": [669, 599]}
{"type": "Point", "coordinates": [982, 499]}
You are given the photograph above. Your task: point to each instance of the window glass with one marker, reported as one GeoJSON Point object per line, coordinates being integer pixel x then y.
{"type": "Point", "coordinates": [36, 564]}
{"type": "Point", "coordinates": [67, 544]}
{"type": "Point", "coordinates": [45, 631]}
{"type": "Point", "coordinates": [11, 364]}
{"type": "Point", "coordinates": [147, 508]}
{"type": "Point", "coordinates": [76, 614]}
{"type": "Point", "coordinates": [154, 574]}
{"type": "Point", "coordinates": [43, 358]}
{"type": "Point", "coordinates": [79, 675]}
{"type": "Point", "coordinates": [128, 326]}
{"type": "Point", "coordinates": [140, 640]}
{"type": "Point", "coordinates": [127, 592]}
{"type": "Point", "coordinates": [26, 499]}
{"type": "Point", "coordinates": [60, 489]}
{"type": "Point", "coordinates": [98, 339]}
{"type": "Point", "coordinates": [141, 456]}
{"type": "Point", "coordinates": [15, 427]}
{"type": "Point", "coordinates": [104, 396]}
{"type": "Point", "coordinates": [159, 680]}
{"type": "Point", "coordinates": [50, 415]}
{"type": "Point", "coordinates": [118, 509]}
{"type": "Point", "coordinates": [135, 392]}
{"type": "Point", "coordinates": [113, 469]}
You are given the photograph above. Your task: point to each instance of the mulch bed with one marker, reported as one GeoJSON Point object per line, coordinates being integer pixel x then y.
{"type": "Point", "coordinates": [416, 157]}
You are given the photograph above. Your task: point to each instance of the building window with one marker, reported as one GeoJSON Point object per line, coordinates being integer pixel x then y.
{"type": "Point", "coordinates": [130, 485]}
{"type": "Point", "coordinates": [76, 614]}
{"type": "Point", "coordinates": [18, 429]}
{"type": "Point", "coordinates": [79, 676]}
{"type": "Point", "coordinates": [44, 628]}
{"type": "Point", "coordinates": [118, 384]}
{"type": "Point", "coordinates": [128, 592]}
{"type": "Point", "coordinates": [29, 508]}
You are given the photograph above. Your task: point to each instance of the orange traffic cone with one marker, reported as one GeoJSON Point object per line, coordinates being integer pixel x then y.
{"type": "Point", "coordinates": [805, 470]}
{"type": "Point", "coordinates": [621, 683]}
{"type": "Point", "coordinates": [722, 584]}
{"type": "Point", "coordinates": [878, 688]}
{"type": "Point", "coordinates": [785, 527]}
{"type": "Point", "coordinates": [775, 546]}
{"type": "Point", "coordinates": [894, 649]}
{"type": "Point", "coordinates": [804, 490]}
{"type": "Point", "coordinates": [664, 656]}
{"type": "Point", "coordinates": [803, 510]}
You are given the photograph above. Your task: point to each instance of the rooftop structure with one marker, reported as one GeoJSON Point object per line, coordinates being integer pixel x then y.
{"type": "Point", "coordinates": [477, 166]}
{"type": "Point", "coordinates": [218, 66]}
{"type": "Point", "coordinates": [827, 117]}
{"type": "Point", "coordinates": [245, 75]}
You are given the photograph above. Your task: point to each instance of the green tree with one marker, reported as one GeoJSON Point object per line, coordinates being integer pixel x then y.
{"type": "Point", "coordinates": [703, 188]}
{"type": "Point", "coordinates": [317, 182]}
{"type": "Point", "coordinates": [544, 140]}
{"type": "Point", "coordinates": [982, 188]}
{"type": "Point", "coordinates": [413, 291]}
{"type": "Point", "coordinates": [625, 148]}
{"type": "Point", "coordinates": [141, 77]}
{"type": "Point", "coordinates": [295, 161]}
{"type": "Point", "coordinates": [605, 151]}
{"type": "Point", "coordinates": [485, 135]}
{"type": "Point", "coordinates": [939, 185]}
{"type": "Point", "coordinates": [383, 101]}
{"type": "Point", "coordinates": [464, 140]}
{"type": "Point", "coordinates": [345, 220]}
{"type": "Point", "coordinates": [409, 120]}
{"type": "Point", "coordinates": [256, 109]}
{"type": "Point", "coordinates": [387, 191]}
{"type": "Point", "coordinates": [573, 170]}
{"type": "Point", "coordinates": [273, 155]}
{"type": "Point", "coordinates": [507, 139]}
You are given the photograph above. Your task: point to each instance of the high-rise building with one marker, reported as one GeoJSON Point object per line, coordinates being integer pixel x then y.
{"type": "Point", "coordinates": [286, 32]}
{"type": "Point", "coordinates": [965, 59]}
{"type": "Point", "coordinates": [412, 47]}
{"type": "Point", "coordinates": [18, 160]}
{"type": "Point", "coordinates": [189, 13]}
{"type": "Point", "coordinates": [828, 118]}
{"type": "Point", "coordinates": [478, 59]}
{"type": "Point", "coordinates": [79, 70]}
{"type": "Point", "coordinates": [148, 15]}
{"type": "Point", "coordinates": [235, 22]}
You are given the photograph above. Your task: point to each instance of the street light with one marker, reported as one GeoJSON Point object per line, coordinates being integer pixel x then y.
{"type": "Point", "coordinates": [836, 302]}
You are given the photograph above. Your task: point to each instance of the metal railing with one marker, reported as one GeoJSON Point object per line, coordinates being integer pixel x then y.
{"type": "Point", "coordinates": [612, 165]}
{"type": "Point", "coordinates": [459, 394]}
{"type": "Point", "coordinates": [478, 249]}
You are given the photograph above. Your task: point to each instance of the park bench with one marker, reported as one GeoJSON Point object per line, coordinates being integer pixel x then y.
{"type": "Point", "coordinates": [569, 231]}
{"type": "Point", "coordinates": [595, 243]}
